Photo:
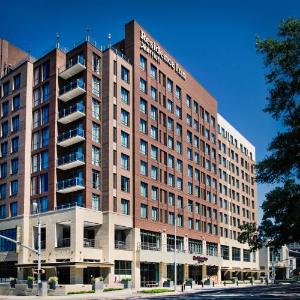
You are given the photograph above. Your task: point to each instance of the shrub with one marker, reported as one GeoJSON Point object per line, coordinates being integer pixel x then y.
{"type": "Point", "coordinates": [112, 289]}
{"type": "Point", "coordinates": [156, 291]}
{"type": "Point", "coordinates": [80, 292]}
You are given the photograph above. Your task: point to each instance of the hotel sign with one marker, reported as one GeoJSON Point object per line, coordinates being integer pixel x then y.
{"type": "Point", "coordinates": [154, 51]}
{"type": "Point", "coordinates": [200, 259]}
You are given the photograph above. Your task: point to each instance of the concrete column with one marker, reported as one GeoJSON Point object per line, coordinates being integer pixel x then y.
{"type": "Point", "coordinates": [163, 242]}
{"type": "Point", "coordinates": [162, 273]}
{"type": "Point", "coordinates": [136, 264]}
{"type": "Point", "coordinates": [185, 271]}
{"type": "Point", "coordinates": [219, 275]}
{"type": "Point", "coordinates": [186, 244]}
{"type": "Point", "coordinates": [204, 273]}
{"type": "Point", "coordinates": [204, 247]}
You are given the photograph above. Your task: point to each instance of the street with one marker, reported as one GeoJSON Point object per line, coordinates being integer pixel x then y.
{"type": "Point", "coordinates": [291, 291]}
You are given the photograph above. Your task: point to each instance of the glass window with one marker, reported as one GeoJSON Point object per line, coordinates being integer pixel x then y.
{"type": "Point", "coordinates": [95, 156]}
{"type": "Point", "coordinates": [46, 92]}
{"type": "Point", "coordinates": [143, 168]}
{"type": "Point", "coordinates": [14, 187]}
{"type": "Point", "coordinates": [143, 85]}
{"type": "Point", "coordinates": [6, 245]}
{"type": "Point", "coordinates": [125, 206]}
{"type": "Point", "coordinates": [96, 63]}
{"type": "Point", "coordinates": [17, 81]}
{"type": "Point", "coordinates": [124, 96]}
{"type": "Point", "coordinates": [144, 189]}
{"type": "Point", "coordinates": [236, 254]}
{"type": "Point", "coordinates": [44, 204]}
{"type": "Point", "coordinates": [6, 88]}
{"type": "Point", "coordinates": [45, 137]}
{"type": "Point", "coordinates": [15, 145]}
{"type": "Point", "coordinates": [154, 214]}
{"type": "Point", "coordinates": [124, 139]}
{"type": "Point", "coordinates": [125, 117]}
{"type": "Point", "coordinates": [122, 267]}
{"type": "Point", "coordinates": [2, 214]}
{"type": "Point", "coordinates": [3, 191]}
{"type": "Point", "coordinates": [3, 169]}
{"type": "Point", "coordinates": [46, 70]}
{"type": "Point", "coordinates": [96, 109]}
{"type": "Point", "coordinates": [143, 147]}
{"type": "Point", "coordinates": [13, 209]}
{"type": "Point", "coordinates": [144, 211]}
{"type": "Point", "coordinates": [4, 127]}
{"type": "Point", "coordinates": [44, 183]}
{"type": "Point", "coordinates": [95, 201]}
{"type": "Point", "coordinates": [45, 115]}
{"type": "Point", "coordinates": [5, 108]}
{"type": "Point", "coordinates": [124, 74]}
{"type": "Point", "coordinates": [143, 106]}
{"type": "Point", "coordinates": [124, 161]}
{"type": "Point", "coordinates": [96, 86]}
{"type": "Point", "coordinates": [143, 62]}
{"type": "Point", "coordinates": [96, 179]}
{"type": "Point", "coordinates": [170, 85]}
{"type": "Point", "coordinates": [14, 166]}
{"type": "Point", "coordinates": [4, 149]}
{"type": "Point", "coordinates": [125, 184]}
{"type": "Point", "coordinates": [153, 72]}
{"type": "Point", "coordinates": [96, 132]}
{"type": "Point", "coordinates": [154, 193]}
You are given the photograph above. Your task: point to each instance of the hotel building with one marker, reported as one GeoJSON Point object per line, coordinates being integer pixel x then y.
{"type": "Point", "coordinates": [118, 146]}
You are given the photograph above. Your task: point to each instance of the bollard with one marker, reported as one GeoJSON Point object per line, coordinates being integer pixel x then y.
{"type": "Point", "coordinates": [213, 284]}
{"type": "Point", "coordinates": [202, 283]}
{"type": "Point", "coordinates": [182, 288]}
{"type": "Point", "coordinates": [237, 283]}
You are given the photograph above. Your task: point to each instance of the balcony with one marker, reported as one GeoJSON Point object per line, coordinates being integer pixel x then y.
{"type": "Point", "coordinates": [88, 243]}
{"type": "Point", "coordinates": [70, 185]}
{"type": "Point", "coordinates": [70, 161]}
{"type": "Point", "coordinates": [121, 245]}
{"type": "Point", "coordinates": [71, 137]}
{"type": "Point", "coordinates": [71, 113]}
{"type": "Point", "coordinates": [72, 90]}
{"type": "Point", "coordinates": [73, 67]}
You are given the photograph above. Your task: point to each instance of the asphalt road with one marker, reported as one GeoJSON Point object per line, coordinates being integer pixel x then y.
{"type": "Point", "coordinates": [291, 291]}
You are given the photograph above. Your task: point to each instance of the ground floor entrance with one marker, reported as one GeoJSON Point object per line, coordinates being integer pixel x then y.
{"type": "Point", "coordinates": [180, 273]}
{"type": "Point", "coordinates": [195, 273]}
{"type": "Point", "coordinates": [149, 274]}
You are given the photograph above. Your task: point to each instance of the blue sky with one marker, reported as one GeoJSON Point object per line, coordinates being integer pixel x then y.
{"type": "Point", "coordinates": [213, 40]}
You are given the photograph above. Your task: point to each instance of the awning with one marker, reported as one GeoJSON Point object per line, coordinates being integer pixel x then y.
{"type": "Point", "coordinates": [67, 264]}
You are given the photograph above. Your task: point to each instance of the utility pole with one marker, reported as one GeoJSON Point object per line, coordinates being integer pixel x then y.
{"type": "Point", "coordinates": [175, 250]}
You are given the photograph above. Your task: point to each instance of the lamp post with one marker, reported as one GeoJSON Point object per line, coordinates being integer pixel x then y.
{"type": "Point", "coordinates": [36, 210]}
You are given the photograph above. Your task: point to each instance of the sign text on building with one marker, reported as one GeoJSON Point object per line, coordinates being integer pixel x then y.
{"type": "Point", "coordinates": [153, 50]}
{"type": "Point", "coordinates": [199, 259]}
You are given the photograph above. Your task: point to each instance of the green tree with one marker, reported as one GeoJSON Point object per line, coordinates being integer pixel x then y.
{"type": "Point", "coordinates": [281, 209]}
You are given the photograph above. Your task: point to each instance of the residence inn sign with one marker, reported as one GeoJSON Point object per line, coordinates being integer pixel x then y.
{"type": "Point", "coordinates": [153, 50]}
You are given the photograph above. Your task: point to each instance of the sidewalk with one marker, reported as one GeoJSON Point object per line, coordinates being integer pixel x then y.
{"type": "Point", "coordinates": [129, 293]}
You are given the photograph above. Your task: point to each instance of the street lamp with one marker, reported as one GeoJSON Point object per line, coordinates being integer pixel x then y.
{"type": "Point", "coordinates": [35, 207]}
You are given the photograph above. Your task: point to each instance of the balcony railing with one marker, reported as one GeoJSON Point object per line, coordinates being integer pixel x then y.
{"type": "Point", "coordinates": [89, 243]}
{"type": "Point", "coordinates": [74, 66]}
{"type": "Point", "coordinates": [150, 246]}
{"type": "Point", "coordinates": [70, 185]}
{"type": "Point", "coordinates": [71, 137]}
{"type": "Point", "coordinates": [63, 243]}
{"type": "Point", "coordinates": [72, 89]}
{"type": "Point", "coordinates": [78, 108]}
{"type": "Point", "coordinates": [171, 248]}
{"type": "Point", "coordinates": [121, 245]}
{"type": "Point", "coordinates": [71, 158]}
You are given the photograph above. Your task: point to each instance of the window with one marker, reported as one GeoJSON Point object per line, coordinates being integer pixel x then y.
{"type": "Point", "coordinates": [124, 74]}
{"type": "Point", "coordinates": [154, 152]}
{"type": "Point", "coordinates": [125, 117]}
{"type": "Point", "coordinates": [144, 211]}
{"type": "Point", "coordinates": [154, 172]}
{"type": "Point", "coordinates": [44, 204]}
{"type": "Point", "coordinates": [178, 92]}
{"type": "Point", "coordinates": [154, 215]}
{"type": "Point", "coordinates": [3, 169]}
{"type": "Point", "coordinates": [143, 63]}
{"type": "Point", "coordinates": [143, 106]}
{"type": "Point", "coordinates": [180, 221]}
{"type": "Point", "coordinates": [124, 206]}
{"type": "Point", "coordinates": [143, 147]}
{"type": "Point", "coordinates": [153, 93]}
{"type": "Point", "coordinates": [4, 149]}
{"type": "Point", "coordinates": [96, 86]}
{"type": "Point", "coordinates": [45, 137]}
{"type": "Point", "coordinates": [96, 132]}
{"type": "Point", "coordinates": [44, 183]}
{"type": "Point", "coordinates": [143, 168]}
{"type": "Point", "coordinates": [125, 184]}
{"type": "Point", "coordinates": [46, 70]}
{"type": "Point", "coordinates": [153, 114]}
{"type": "Point", "coordinates": [2, 213]}
{"type": "Point", "coordinates": [45, 115]}
{"type": "Point", "coordinates": [153, 72]}
{"type": "Point", "coordinates": [171, 218]}
{"type": "Point", "coordinates": [46, 92]}
{"type": "Point", "coordinates": [95, 201]}
{"type": "Point", "coordinates": [246, 255]}
{"type": "Point", "coordinates": [14, 166]}
{"type": "Point", "coordinates": [154, 132]}
{"type": "Point", "coordinates": [170, 105]}
{"type": "Point", "coordinates": [179, 201]}
{"type": "Point", "coordinates": [225, 252]}
{"type": "Point", "coordinates": [4, 128]}
{"type": "Point", "coordinates": [122, 267]}
{"type": "Point", "coordinates": [14, 187]}
{"type": "Point", "coordinates": [144, 189]}
{"type": "Point", "coordinates": [96, 179]}
{"type": "Point", "coordinates": [96, 63]}
{"type": "Point", "coordinates": [5, 108]}
{"type": "Point", "coordinates": [124, 161]}
{"type": "Point", "coordinates": [95, 156]}
{"type": "Point", "coordinates": [13, 209]}
{"type": "Point", "coordinates": [124, 96]}
{"type": "Point", "coordinates": [96, 109]}
{"type": "Point", "coordinates": [17, 81]}
{"type": "Point", "coordinates": [2, 191]}
{"type": "Point", "coordinates": [170, 85]}
{"type": "Point", "coordinates": [154, 193]}
{"type": "Point", "coordinates": [124, 139]}
{"type": "Point", "coordinates": [143, 85]}
{"type": "Point", "coordinates": [236, 254]}
{"type": "Point", "coordinates": [6, 245]}
{"type": "Point", "coordinates": [6, 88]}
{"type": "Point", "coordinates": [15, 145]}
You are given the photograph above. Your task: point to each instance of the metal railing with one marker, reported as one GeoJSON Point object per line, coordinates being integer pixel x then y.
{"type": "Point", "coordinates": [88, 243]}
{"type": "Point", "coordinates": [71, 133]}
{"type": "Point", "coordinates": [63, 184]}
{"type": "Point", "coordinates": [121, 245]}
{"type": "Point", "coordinates": [72, 85]}
{"type": "Point", "coordinates": [73, 61]}
{"type": "Point", "coordinates": [63, 243]}
{"type": "Point", "coordinates": [150, 246]}
{"type": "Point", "coordinates": [78, 107]}
{"type": "Point", "coordinates": [68, 205]}
{"type": "Point", "coordinates": [70, 158]}
{"type": "Point", "coordinates": [171, 248]}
